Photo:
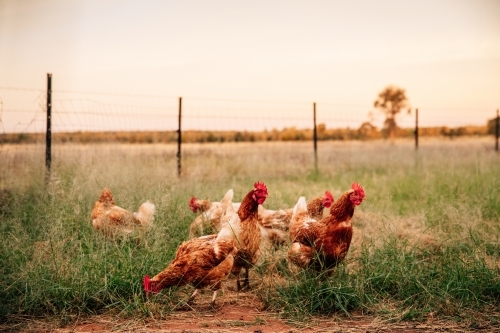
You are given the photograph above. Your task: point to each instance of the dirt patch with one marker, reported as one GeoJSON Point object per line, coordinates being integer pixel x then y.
{"type": "Point", "coordinates": [240, 315]}
{"type": "Point", "coordinates": [247, 319]}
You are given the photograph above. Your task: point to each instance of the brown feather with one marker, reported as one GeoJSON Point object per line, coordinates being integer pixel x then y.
{"type": "Point", "coordinates": [201, 262]}
{"type": "Point", "coordinates": [245, 228]}
{"type": "Point", "coordinates": [277, 223]}
{"type": "Point", "coordinates": [115, 221]}
{"type": "Point", "coordinates": [322, 245]}
{"type": "Point", "coordinates": [209, 221]}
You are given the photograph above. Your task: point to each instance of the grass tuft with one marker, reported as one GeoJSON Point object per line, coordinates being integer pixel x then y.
{"type": "Point", "coordinates": [425, 245]}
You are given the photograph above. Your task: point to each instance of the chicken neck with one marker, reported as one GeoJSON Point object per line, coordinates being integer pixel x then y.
{"type": "Point", "coordinates": [315, 208]}
{"type": "Point", "coordinates": [342, 209]}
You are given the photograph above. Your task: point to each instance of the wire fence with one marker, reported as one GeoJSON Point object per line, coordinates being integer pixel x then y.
{"type": "Point", "coordinates": [23, 113]}
{"type": "Point", "coordinates": [23, 110]}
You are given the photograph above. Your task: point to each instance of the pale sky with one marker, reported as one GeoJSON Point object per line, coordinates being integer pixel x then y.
{"type": "Point", "coordinates": [445, 53]}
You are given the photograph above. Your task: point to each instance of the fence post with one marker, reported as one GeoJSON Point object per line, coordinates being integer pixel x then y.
{"type": "Point", "coordinates": [315, 138]}
{"type": "Point", "coordinates": [179, 139]}
{"type": "Point", "coordinates": [416, 129]}
{"type": "Point", "coordinates": [497, 130]}
{"type": "Point", "coordinates": [48, 133]}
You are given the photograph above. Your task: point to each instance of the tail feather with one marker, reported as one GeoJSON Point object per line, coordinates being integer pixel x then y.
{"type": "Point", "coordinates": [300, 206]}
{"type": "Point", "coordinates": [228, 197]}
{"type": "Point", "coordinates": [226, 204]}
{"type": "Point", "coordinates": [145, 215]}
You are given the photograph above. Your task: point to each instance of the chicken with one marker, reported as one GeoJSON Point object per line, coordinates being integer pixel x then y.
{"type": "Point", "coordinates": [202, 262]}
{"type": "Point", "coordinates": [210, 216]}
{"type": "Point", "coordinates": [275, 223]}
{"type": "Point", "coordinates": [245, 228]}
{"type": "Point", "coordinates": [117, 222]}
{"type": "Point", "coordinates": [323, 244]}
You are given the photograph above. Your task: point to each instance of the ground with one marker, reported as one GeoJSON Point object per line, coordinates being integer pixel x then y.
{"type": "Point", "coordinates": [243, 315]}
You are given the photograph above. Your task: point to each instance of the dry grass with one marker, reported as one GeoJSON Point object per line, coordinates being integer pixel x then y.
{"type": "Point", "coordinates": [437, 204]}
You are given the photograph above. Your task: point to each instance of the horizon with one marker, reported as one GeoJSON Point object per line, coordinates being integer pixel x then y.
{"type": "Point", "coordinates": [445, 54]}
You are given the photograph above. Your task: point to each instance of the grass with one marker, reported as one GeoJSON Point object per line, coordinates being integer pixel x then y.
{"type": "Point", "coordinates": [426, 240]}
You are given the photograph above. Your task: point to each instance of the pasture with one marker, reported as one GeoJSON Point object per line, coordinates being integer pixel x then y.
{"type": "Point", "coordinates": [426, 240]}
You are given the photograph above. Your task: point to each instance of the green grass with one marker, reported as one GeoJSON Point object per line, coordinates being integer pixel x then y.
{"type": "Point", "coordinates": [426, 240]}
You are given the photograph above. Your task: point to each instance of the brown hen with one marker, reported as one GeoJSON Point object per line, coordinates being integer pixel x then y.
{"type": "Point", "coordinates": [201, 262]}
{"type": "Point", "coordinates": [244, 227]}
{"type": "Point", "coordinates": [209, 221]}
{"type": "Point", "coordinates": [275, 223]}
{"type": "Point", "coordinates": [322, 244]}
{"type": "Point", "coordinates": [114, 221]}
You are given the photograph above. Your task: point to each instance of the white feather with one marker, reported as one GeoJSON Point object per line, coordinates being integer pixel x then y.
{"type": "Point", "coordinates": [300, 206]}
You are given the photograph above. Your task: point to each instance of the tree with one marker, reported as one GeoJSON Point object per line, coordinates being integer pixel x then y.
{"type": "Point", "coordinates": [390, 102]}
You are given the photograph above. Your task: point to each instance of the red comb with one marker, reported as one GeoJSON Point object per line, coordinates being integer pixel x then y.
{"type": "Point", "coordinates": [259, 192]}
{"type": "Point", "coordinates": [148, 285]}
{"type": "Point", "coordinates": [260, 186]}
{"type": "Point", "coordinates": [192, 204]}
{"type": "Point", "coordinates": [327, 199]}
{"type": "Point", "coordinates": [358, 189]}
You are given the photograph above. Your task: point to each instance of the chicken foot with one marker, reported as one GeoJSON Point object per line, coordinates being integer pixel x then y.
{"type": "Point", "coordinates": [246, 282]}
{"type": "Point", "coordinates": [212, 303]}
{"type": "Point", "coordinates": [191, 298]}
{"type": "Point", "coordinates": [196, 292]}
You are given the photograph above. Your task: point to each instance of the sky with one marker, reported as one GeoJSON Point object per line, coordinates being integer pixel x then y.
{"type": "Point", "coordinates": [444, 53]}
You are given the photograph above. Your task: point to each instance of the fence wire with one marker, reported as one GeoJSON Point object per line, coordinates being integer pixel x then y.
{"type": "Point", "coordinates": [22, 110]}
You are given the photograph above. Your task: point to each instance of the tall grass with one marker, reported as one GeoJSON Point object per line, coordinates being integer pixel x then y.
{"type": "Point", "coordinates": [426, 241]}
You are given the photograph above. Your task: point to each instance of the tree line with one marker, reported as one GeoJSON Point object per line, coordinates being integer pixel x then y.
{"type": "Point", "coordinates": [365, 132]}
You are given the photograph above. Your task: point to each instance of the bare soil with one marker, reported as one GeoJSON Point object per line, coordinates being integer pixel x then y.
{"type": "Point", "coordinates": [242, 315]}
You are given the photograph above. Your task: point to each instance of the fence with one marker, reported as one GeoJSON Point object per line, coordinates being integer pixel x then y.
{"type": "Point", "coordinates": [68, 111]}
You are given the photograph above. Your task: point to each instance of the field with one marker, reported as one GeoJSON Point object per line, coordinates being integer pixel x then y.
{"type": "Point", "coordinates": [426, 245]}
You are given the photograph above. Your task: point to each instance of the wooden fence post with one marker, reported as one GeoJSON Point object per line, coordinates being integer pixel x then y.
{"type": "Point", "coordinates": [315, 138]}
{"type": "Point", "coordinates": [416, 129]}
{"type": "Point", "coordinates": [179, 139]}
{"type": "Point", "coordinates": [48, 133]}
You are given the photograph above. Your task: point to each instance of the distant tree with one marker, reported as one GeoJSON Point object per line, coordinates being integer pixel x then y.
{"type": "Point", "coordinates": [492, 126]}
{"type": "Point", "coordinates": [390, 102]}
{"type": "Point", "coordinates": [367, 131]}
